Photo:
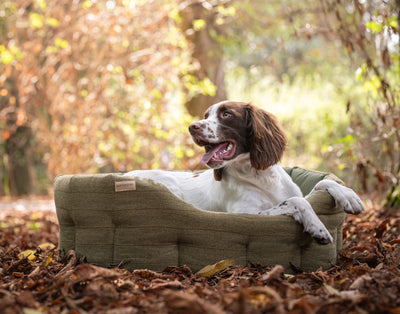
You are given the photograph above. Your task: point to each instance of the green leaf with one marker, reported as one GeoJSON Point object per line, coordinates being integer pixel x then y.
{"type": "Point", "coordinates": [361, 72]}
{"type": "Point", "coordinates": [219, 21]}
{"type": "Point", "coordinates": [84, 93]}
{"type": "Point", "coordinates": [348, 139]}
{"type": "Point", "coordinates": [372, 85]}
{"type": "Point", "coordinates": [374, 27]}
{"type": "Point", "coordinates": [51, 49]}
{"type": "Point", "coordinates": [16, 52]}
{"type": "Point", "coordinates": [157, 94]}
{"type": "Point", "coordinates": [393, 22]}
{"type": "Point", "coordinates": [174, 15]}
{"type": "Point", "coordinates": [87, 4]}
{"type": "Point", "coordinates": [208, 87]}
{"type": "Point", "coordinates": [61, 43]}
{"type": "Point", "coordinates": [178, 152]}
{"type": "Point", "coordinates": [34, 225]}
{"type": "Point", "coordinates": [6, 57]}
{"type": "Point", "coordinates": [226, 11]}
{"type": "Point", "coordinates": [198, 24]}
{"type": "Point", "coordinates": [52, 22]}
{"type": "Point", "coordinates": [42, 4]}
{"type": "Point", "coordinates": [117, 69]}
{"type": "Point", "coordinates": [36, 20]}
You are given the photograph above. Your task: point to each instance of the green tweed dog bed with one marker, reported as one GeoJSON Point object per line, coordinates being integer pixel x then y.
{"type": "Point", "coordinates": [110, 218]}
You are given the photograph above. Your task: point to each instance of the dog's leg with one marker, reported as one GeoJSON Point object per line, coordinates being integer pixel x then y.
{"type": "Point", "coordinates": [345, 198]}
{"type": "Point", "coordinates": [301, 211]}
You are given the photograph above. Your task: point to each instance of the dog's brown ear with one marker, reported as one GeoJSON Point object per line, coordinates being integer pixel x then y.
{"type": "Point", "coordinates": [218, 174]}
{"type": "Point", "coordinates": [267, 140]}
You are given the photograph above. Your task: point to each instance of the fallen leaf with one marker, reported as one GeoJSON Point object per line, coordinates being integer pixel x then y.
{"type": "Point", "coordinates": [351, 285]}
{"type": "Point", "coordinates": [163, 284]}
{"type": "Point", "coordinates": [275, 274]}
{"type": "Point", "coordinates": [361, 282]}
{"type": "Point", "coordinates": [211, 270]}
{"type": "Point", "coordinates": [183, 302]}
{"type": "Point", "coordinates": [18, 274]}
{"type": "Point", "coordinates": [25, 298]}
{"type": "Point", "coordinates": [46, 245]}
{"type": "Point", "coordinates": [331, 290]}
{"type": "Point", "coordinates": [32, 311]}
{"type": "Point", "coordinates": [29, 254]}
{"type": "Point", "coordinates": [49, 259]}
{"type": "Point", "coordinates": [266, 298]}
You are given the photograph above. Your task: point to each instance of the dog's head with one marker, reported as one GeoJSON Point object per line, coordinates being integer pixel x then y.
{"type": "Point", "coordinates": [230, 129]}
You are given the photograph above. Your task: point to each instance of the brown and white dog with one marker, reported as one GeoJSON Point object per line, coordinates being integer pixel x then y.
{"type": "Point", "coordinates": [243, 145]}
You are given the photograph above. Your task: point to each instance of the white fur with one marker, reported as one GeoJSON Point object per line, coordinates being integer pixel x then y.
{"type": "Point", "coordinates": [210, 124]}
{"type": "Point", "coordinates": [244, 189]}
{"type": "Point", "coordinates": [212, 120]}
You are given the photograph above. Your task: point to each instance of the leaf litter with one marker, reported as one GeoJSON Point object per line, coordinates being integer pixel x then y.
{"type": "Point", "coordinates": [34, 280]}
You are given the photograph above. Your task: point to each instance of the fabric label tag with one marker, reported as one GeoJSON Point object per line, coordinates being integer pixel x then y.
{"type": "Point", "coordinates": [121, 186]}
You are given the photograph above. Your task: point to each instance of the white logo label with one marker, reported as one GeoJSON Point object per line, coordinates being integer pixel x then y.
{"type": "Point", "coordinates": [121, 186]}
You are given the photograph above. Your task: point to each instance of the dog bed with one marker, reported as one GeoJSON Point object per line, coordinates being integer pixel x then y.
{"type": "Point", "coordinates": [137, 223]}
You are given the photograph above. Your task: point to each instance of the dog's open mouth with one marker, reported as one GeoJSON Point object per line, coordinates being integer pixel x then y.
{"type": "Point", "coordinates": [217, 152]}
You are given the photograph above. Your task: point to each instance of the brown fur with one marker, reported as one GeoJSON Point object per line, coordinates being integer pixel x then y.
{"type": "Point", "coordinates": [218, 174]}
{"type": "Point", "coordinates": [267, 140]}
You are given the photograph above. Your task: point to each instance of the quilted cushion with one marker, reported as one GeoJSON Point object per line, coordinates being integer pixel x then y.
{"type": "Point", "coordinates": [110, 218]}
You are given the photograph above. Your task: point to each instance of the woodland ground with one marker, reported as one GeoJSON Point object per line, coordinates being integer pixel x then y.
{"type": "Point", "coordinates": [366, 279]}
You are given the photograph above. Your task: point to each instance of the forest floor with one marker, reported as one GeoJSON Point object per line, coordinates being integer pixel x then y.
{"type": "Point", "coordinates": [365, 280]}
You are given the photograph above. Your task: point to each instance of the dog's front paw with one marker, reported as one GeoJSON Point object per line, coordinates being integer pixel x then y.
{"type": "Point", "coordinates": [319, 233]}
{"type": "Point", "coordinates": [349, 201]}
{"type": "Point", "coordinates": [345, 198]}
{"type": "Point", "coordinates": [323, 239]}
{"type": "Point", "coordinates": [302, 212]}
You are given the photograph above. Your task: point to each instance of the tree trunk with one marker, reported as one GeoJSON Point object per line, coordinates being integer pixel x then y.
{"type": "Point", "coordinates": [20, 168]}
{"type": "Point", "coordinates": [18, 163]}
{"type": "Point", "coordinates": [207, 54]}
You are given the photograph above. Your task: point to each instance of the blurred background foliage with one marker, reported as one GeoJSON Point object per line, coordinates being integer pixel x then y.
{"type": "Point", "coordinates": [111, 85]}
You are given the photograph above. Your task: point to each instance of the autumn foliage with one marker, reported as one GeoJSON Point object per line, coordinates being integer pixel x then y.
{"type": "Point", "coordinates": [97, 86]}
{"type": "Point", "coordinates": [367, 277]}
{"type": "Point", "coordinates": [106, 86]}
{"type": "Point", "coordinates": [100, 86]}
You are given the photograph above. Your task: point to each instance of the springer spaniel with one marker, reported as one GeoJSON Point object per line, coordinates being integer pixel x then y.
{"type": "Point", "coordinates": [243, 145]}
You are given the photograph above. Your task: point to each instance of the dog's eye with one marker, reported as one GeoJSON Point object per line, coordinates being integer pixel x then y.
{"type": "Point", "coordinates": [226, 114]}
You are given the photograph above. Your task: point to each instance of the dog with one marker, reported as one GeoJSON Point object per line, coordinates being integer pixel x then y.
{"type": "Point", "coordinates": [243, 145]}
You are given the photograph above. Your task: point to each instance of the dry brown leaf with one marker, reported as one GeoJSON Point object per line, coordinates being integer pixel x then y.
{"type": "Point", "coordinates": [361, 282]}
{"type": "Point", "coordinates": [182, 302]}
{"type": "Point", "coordinates": [331, 290]}
{"type": "Point", "coordinates": [163, 284]}
{"type": "Point", "coordinates": [77, 287]}
{"type": "Point", "coordinates": [211, 270]}
{"type": "Point", "coordinates": [275, 274]}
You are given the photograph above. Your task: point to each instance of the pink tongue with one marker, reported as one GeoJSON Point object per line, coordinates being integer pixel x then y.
{"type": "Point", "coordinates": [208, 156]}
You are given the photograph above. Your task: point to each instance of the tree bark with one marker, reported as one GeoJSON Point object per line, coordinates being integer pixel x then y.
{"type": "Point", "coordinates": [20, 168]}
{"type": "Point", "coordinates": [18, 162]}
{"type": "Point", "coordinates": [207, 54]}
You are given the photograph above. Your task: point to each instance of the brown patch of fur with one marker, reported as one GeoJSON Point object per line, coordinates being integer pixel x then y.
{"type": "Point", "coordinates": [218, 174]}
{"type": "Point", "coordinates": [268, 141]}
